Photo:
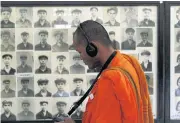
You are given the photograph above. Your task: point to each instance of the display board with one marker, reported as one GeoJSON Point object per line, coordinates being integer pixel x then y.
{"type": "Point", "coordinates": [175, 62]}
{"type": "Point", "coordinates": [41, 73]}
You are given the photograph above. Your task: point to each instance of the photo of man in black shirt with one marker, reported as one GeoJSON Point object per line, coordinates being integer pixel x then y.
{"type": "Point", "coordinates": [7, 115]}
{"type": "Point", "coordinates": [5, 15]}
{"type": "Point", "coordinates": [43, 69]}
{"type": "Point", "coordinates": [7, 70]}
{"type": "Point", "coordinates": [42, 22]}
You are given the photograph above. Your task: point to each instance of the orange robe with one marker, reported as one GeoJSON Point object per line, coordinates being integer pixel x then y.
{"type": "Point", "coordinates": [112, 100]}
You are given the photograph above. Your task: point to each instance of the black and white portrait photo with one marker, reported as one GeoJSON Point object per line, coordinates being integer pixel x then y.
{"type": "Point", "coordinates": [24, 39]}
{"type": "Point", "coordinates": [7, 113]}
{"type": "Point", "coordinates": [147, 22]}
{"type": "Point", "coordinates": [144, 37]}
{"type": "Point", "coordinates": [95, 14]}
{"type": "Point", "coordinates": [41, 39]}
{"type": "Point", "coordinates": [76, 17]}
{"type": "Point", "coordinates": [61, 68]}
{"type": "Point", "coordinates": [27, 109]}
{"type": "Point", "coordinates": [78, 87]}
{"type": "Point", "coordinates": [60, 15]}
{"type": "Point", "coordinates": [61, 84]}
{"type": "Point", "coordinates": [60, 37]}
{"type": "Point", "coordinates": [24, 62]}
{"type": "Point", "coordinates": [44, 62]}
{"type": "Point", "coordinates": [177, 15]}
{"type": "Point", "coordinates": [43, 88]}
{"type": "Point", "coordinates": [178, 107]}
{"type": "Point", "coordinates": [112, 16]}
{"type": "Point", "coordinates": [7, 19]}
{"type": "Point", "coordinates": [149, 78]}
{"type": "Point", "coordinates": [44, 112]}
{"type": "Point", "coordinates": [24, 17]}
{"type": "Point", "coordinates": [70, 38]}
{"type": "Point", "coordinates": [41, 15]}
{"type": "Point", "coordinates": [90, 80]}
{"type": "Point", "coordinates": [146, 64]}
{"type": "Point", "coordinates": [7, 63]}
{"type": "Point", "coordinates": [7, 40]}
{"type": "Point", "coordinates": [177, 67]}
{"type": "Point", "coordinates": [129, 43]}
{"type": "Point", "coordinates": [115, 43]}
{"type": "Point", "coordinates": [129, 16]}
{"type": "Point", "coordinates": [61, 108]}
{"type": "Point", "coordinates": [177, 91]}
{"type": "Point", "coordinates": [177, 25]}
{"type": "Point", "coordinates": [76, 67]}
{"type": "Point", "coordinates": [177, 41]}
{"type": "Point", "coordinates": [25, 86]}
{"type": "Point", "coordinates": [78, 113]}
{"type": "Point", "coordinates": [8, 86]}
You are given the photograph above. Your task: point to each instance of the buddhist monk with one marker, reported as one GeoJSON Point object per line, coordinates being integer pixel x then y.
{"type": "Point", "coordinates": [120, 95]}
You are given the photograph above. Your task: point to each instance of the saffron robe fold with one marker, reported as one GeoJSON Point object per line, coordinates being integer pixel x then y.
{"type": "Point", "coordinates": [113, 99]}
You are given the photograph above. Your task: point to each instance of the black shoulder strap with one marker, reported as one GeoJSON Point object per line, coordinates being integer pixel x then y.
{"type": "Point", "coordinates": [76, 104]}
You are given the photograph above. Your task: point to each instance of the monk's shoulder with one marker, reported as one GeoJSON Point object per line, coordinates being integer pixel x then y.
{"type": "Point", "coordinates": [112, 74]}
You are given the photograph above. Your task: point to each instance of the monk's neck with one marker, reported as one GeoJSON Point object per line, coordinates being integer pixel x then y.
{"type": "Point", "coordinates": [105, 55]}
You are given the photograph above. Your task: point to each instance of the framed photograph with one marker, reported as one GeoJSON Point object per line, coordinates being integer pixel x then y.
{"type": "Point", "coordinates": [174, 60]}
{"type": "Point", "coordinates": [43, 74]}
{"type": "Point", "coordinates": [27, 109]}
{"type": "Point", "coordinates": [7, 40]}
{"type": "Point", "coordinates": [24, 17]}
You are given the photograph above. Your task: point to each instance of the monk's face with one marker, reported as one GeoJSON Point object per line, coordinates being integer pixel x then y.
{"type": "Point", "coordinates": [91, 62]}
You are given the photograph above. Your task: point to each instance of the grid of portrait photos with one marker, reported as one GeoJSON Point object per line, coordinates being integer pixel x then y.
{"type": "Point", "coordinates": [175, 63]}
{"type": "Point", "coordinates": [41, 73]}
